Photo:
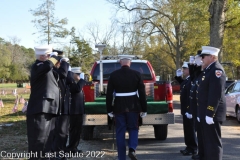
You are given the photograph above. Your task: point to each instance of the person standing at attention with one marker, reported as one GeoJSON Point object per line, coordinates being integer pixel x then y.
{"type": "Point", "coordinates": [211, 109]}
{"type": "Point", "coordinates": [130, 101]}
{"type": "Point", "coordinates": [190, 138]}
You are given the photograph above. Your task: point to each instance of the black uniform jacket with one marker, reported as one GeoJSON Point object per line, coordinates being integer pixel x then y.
{"type": "Point", "coordinates": [64, 89]}
{"type": "Point", "coordinates": [126, 80]}
{"type": "Point", "coordinates": [45, 94]}
{"type": "Point", "coordinates": [77, 95]}
{"type": "Point", "coordinates": [211, 93]}
{"type": "Point", "coordinates": [194, 72]}
{"type": "Point", "coordinates": [184, 93]}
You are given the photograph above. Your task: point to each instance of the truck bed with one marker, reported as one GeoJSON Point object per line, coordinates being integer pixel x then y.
{"type": "Point", "coordinates": [99, 106]}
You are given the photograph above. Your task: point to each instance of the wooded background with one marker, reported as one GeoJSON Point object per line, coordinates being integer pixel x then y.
{"type": "Point", "coordinates": [165, 32]}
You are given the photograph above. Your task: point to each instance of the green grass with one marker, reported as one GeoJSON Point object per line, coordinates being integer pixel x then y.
{"type": "Point", "coordinates": [8, 85]}
{"type": "Point", "coordinates": [13, 138]}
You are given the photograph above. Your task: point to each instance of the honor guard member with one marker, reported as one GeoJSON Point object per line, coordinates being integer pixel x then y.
{"type": "Point", "coordinates": [130, 100]}
{"type": "Point", "coordinates": [211, 102]}
{"type": "Point", "coordinates": [44, 102]}
{"type": "Point", "coordinates": [62, 120]}
{"type": "Point", "coordinates": [188, 123]}
{"type": "Point", "coordinates": [195, 69]}
{"type": "Point", "coordinates": [77, 82]}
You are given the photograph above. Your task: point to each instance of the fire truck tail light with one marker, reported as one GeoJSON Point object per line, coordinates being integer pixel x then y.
{"type": "Point", "coordinates": [88, 90]}
{"type": "Point", "coordinates": [170, 107]}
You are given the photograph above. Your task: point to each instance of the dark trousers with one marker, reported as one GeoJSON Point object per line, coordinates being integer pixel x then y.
{"type": "Point", "coordinates": [60, 133]}
{"type": "Point", "coordinates": [190, 133]}
{"type": "Point", "coordinates": [40, 130]}
{"type": "Point", "coordinates": [127, 121]}
{"type": "Point", "coordinates": [212, 142]}
{"type": "Point", "coordinates": [200, 140]}
{"type": "Point", "coordinates": [75, 131]}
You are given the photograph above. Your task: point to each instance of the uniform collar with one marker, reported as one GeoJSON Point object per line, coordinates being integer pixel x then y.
{"type": "Point", "coordinates": [208, 67]}
{"type": "Point", "coordinates": [187, 77]}
{"type": "Point", "coordinates": [125, 66]}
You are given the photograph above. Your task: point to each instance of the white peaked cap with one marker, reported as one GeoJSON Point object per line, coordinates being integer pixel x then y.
{"type": "Point", "coordinates": [43, 49]}
{"type": "Point", "coordinates": [185, 65]}
{"type": "Point", "coordinates": [76, 69]}
{"type": "Point", "coordinates": [129, 57]}
{"type": "Point", "coordinates": [210, 50]}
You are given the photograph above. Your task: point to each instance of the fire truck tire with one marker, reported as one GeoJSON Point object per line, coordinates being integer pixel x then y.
{"type": "Point", "coordinates": [160, 131]}
{"type": "Point", "coordinates": [87, 132]}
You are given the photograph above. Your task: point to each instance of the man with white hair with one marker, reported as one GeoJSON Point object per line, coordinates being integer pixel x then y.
{"type": "Point", "coordinates": [211, 103]}
{"type": "Point", "coordinates": [43, 103]}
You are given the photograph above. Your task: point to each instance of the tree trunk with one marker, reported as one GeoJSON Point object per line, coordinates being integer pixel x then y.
{"type": "Point", "coordinates": [217, 17]}
{"type": "Point", "coordinates": [178, 47]}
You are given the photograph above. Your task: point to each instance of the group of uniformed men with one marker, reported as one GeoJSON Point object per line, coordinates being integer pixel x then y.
{"type": "Point", "coordinates": [203, 104]}
{"type": "Point", "coordinates": [56, 104]}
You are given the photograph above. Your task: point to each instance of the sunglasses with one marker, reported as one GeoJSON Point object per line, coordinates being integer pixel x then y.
{"type": "Point", "coordinates": [204, 55]}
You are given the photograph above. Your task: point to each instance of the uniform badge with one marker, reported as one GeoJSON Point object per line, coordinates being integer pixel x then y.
{"type": "Point", "coordinates": [218, 73]}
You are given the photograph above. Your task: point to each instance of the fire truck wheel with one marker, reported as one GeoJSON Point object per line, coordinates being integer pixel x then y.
{"type": "Point", "coordinates": [160, 131]}
{"type": "Point", "coordinates": [87, 132]}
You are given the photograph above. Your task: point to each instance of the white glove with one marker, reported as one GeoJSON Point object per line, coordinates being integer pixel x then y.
{"type": "Point", "coordinates": [69, 68]}
{"type": "Point", "coordinates": [143, 114]}
{"type": "Point", "coordinates": [189, 116]}
{"type": "Point", "coordinates": [209, 120]}
{"type": "Point", "coordinates": [191, 59]}
{"type": "Point", "coordinates": [179, 73]}
{"type": "Point", "coordinates": [64, 59]}
{"type": "Point", "coordinates": [111, 114]}
{"type": "Point", "coordinates": [82, 76]}
{"type": "Point", "coordinates": [198, 60]}
{"type": "Point", "coordinates": [54, 53]}
{"type": "Point", "coordinates": [198, 119]}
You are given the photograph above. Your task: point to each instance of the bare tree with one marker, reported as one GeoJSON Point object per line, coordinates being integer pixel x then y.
{"type": "Point", "coordinates": [16, 51]}
{"type": "Point", "coordinates": [165, 18]}
{"type": "Point", "coordinates": [99, 35]}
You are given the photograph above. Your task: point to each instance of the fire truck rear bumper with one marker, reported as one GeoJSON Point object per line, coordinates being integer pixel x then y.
{"type": "Point", "coordinates": [95, 119]}
{"type": "Point", "coordinates": [154, 119]}
{"type": "Point", "coordinates": [150, 119]}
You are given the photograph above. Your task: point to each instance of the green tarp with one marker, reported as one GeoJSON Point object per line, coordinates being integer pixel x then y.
{"type": "Point", "coordinates": [103, 99]}
{"type": "Point", "coordinates": [99, 107]}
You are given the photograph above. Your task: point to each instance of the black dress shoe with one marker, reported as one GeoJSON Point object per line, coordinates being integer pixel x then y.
{"type": "Point", "coordinates": [197, 156]}
{"type": "Point", "coordinates": [132, 155]}
{"type": "Point", "coordinates": [188, 152]}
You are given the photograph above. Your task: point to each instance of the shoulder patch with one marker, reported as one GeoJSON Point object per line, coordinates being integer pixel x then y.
{"type": "Point", "coordinates": [218, 73]}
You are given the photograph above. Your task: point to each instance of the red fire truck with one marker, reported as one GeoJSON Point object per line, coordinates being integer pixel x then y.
{"type": "Point", "coordinates": [159, 97]}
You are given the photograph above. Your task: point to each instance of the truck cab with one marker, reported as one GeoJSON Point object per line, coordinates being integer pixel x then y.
{"type": "Point", "coordinates": [158, 93]}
